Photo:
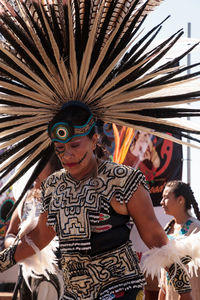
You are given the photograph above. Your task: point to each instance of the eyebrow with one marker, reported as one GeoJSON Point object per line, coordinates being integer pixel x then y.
{"type": "Point", "coordinates": [73, 140]}
{"type": "Point", "coordinates": [57, 144]}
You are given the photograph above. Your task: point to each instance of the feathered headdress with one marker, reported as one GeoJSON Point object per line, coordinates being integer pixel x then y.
{"type": "Point", "coordinates": [54, 51]}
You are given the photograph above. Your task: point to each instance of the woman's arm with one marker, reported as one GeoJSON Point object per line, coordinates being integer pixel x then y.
{"type": "Point", "coordinates": [41, 236]}
{"type": "Point", "coordinates": [140, 208]}
{"type": "Point", "coordinates": [186, 296]}
{"type": "Point", "coordinates": [161, 295]}
{"type": "Point", "coordinates": [12, 230]}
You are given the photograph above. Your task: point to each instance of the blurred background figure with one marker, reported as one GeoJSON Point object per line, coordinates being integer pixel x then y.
{"type": "Point", "coordinates": [178, 200]}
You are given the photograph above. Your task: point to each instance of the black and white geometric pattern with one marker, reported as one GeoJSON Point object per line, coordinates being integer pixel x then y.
{"type": "Point", "coordinates": [102, 275]}
{"type": "Point", "coordinates": [73, 207]}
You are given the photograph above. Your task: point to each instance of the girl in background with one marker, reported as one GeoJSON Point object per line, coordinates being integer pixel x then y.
{"type": "Point", "coordinates": [177, 201]}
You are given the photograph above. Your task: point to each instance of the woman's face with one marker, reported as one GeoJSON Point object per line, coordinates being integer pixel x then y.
{"type": "Point", "coordinates": [77, 156]}
{"type": "Point", "coordinates": [169, 202]}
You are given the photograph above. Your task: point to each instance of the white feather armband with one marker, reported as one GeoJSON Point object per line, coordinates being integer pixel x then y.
{"type": "Point", "coordinates": [158, 258]}
{"type": "Point", "coordinates": [43, 261]}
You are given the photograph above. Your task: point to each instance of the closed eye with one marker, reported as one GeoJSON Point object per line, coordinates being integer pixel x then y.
{"type": "Point", "coordinates": [59, 149]}
{"type": "Point", "coordinates": [74, 145]}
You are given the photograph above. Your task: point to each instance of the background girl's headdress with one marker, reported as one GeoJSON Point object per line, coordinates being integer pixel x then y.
{"type": "Point", "coordinates": [54, 51]}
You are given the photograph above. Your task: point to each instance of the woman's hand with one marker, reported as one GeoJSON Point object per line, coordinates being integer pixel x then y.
{"type": "Point", "coordinates": [161, 295]}
{"type": "Point", "coordinates": [7, 258]}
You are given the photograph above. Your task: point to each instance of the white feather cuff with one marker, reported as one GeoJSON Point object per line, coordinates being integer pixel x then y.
{"type": "Point", "coordinates": [158, 258]}
{"type": "Point", "coordinates": [43, 261]}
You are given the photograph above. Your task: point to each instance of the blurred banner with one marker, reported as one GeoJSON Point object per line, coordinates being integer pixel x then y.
{"type": "Point", "coordinates": [160, 160]}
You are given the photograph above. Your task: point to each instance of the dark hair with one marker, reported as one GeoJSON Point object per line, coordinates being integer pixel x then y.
{"type": "Point", "coordinates": [55, 163]}
{"type": "Point", "coordinates": [180, 188]}
{"type": "Point", "coordinates": [73, 112]}
{"type": "Point", "coordinates": [76, 113]}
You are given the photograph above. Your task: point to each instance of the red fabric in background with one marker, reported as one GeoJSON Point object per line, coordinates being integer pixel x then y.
{"type": "Point", "coordinates": [159, 159]}
{"type": "Point", "coordinates": [168, 168]}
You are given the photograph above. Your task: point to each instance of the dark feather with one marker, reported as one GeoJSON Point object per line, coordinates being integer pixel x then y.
{"type": "Point", "coordinates": [42, 63]}
{"type": "Point", "coordinates": [38, 169]}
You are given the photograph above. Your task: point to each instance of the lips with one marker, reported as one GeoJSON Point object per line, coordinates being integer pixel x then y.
{"type": "Point", "coordinates": [70, 165]}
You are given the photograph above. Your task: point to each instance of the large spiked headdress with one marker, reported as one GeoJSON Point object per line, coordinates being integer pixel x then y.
{"type": "Point", "coordinates": [55, 51]}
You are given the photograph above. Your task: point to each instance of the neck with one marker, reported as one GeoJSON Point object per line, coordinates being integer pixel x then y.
{"type": "Point", "coordinates": [181, 218]}
{"type": "Point", "coordinates": [90, 170]}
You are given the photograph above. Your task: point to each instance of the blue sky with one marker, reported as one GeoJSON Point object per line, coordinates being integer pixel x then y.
{"type": "Point", "coordinates": [182, 12]}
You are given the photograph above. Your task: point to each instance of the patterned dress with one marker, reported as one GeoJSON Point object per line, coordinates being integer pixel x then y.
{"type": "Point", "coordinates": [190, 225]}
{"type": "Point", "coordinates": [97, 257]}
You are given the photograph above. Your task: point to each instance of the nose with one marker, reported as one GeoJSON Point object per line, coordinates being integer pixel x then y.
{"type": "Point", "coordinates": [67, 153]}
{"type": "Point", "coordinates": [162, 201]}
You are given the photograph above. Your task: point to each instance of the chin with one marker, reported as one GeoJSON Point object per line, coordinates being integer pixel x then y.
{"type": "Point", "coordinates": [165, 212]}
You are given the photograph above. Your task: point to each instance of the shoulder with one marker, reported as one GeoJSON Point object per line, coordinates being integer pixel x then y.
{"type": "Point", "coordinates": [54, 177]}
{"type": "Point", "coordinates": [110, 167]}
{"type": "Point", "coordinates": [58, 173]}
{"type": "Point", "coordinates": [121, 174]}
{"type": "Point", "coordinates": [122, 181]}
{"type": "Point", "coordinates": [52, 181]}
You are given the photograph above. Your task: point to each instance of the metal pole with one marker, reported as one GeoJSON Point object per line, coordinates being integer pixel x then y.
{"type": "Point", "coordinates": [188, 118]}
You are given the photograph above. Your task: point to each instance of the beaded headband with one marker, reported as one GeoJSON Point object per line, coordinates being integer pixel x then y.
{"type": "Point", "coordinates": [63, 132]}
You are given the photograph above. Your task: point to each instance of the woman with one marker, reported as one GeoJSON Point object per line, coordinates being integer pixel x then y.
{"type": "Point", "coordinates": [31, 284]}
{"type": "Point", "coordinates": [58, 51]}
{"type": "Point", "coordinates": [88, 205]}
{"type": "Point", "coordinates": [177, 201]}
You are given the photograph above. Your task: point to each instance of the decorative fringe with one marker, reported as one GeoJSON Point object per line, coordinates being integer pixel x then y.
{"type": "Point", "coordinates": [164, 257]}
